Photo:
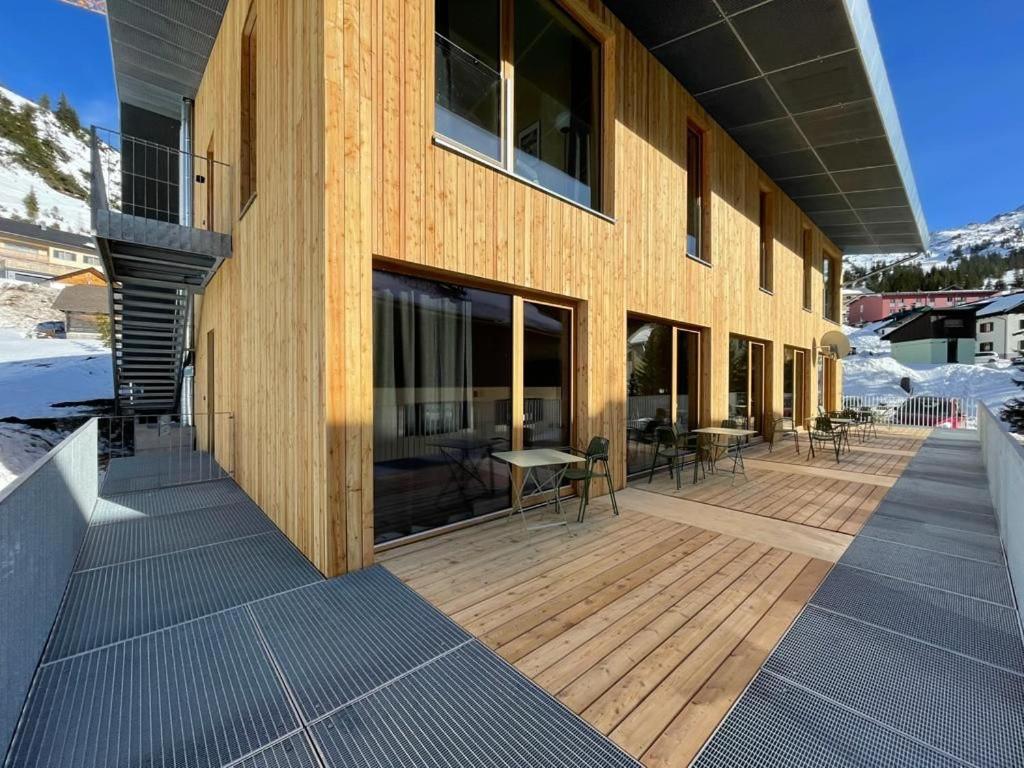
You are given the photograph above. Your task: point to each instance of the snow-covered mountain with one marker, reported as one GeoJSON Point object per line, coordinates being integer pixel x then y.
{"type": "Point", "coordinates": [61, 189]}
{"type": "Point", "coordinates": [1001, 234]}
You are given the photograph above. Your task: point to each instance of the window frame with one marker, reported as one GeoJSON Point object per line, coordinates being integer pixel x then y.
{"type": "Point", "coordinates": [248, 138]}
{"type": "Point", "coordinates": [603, 35]}
{"type": "Point", "coordinates": [72, 257]}
{"type": "Point", "coordinates": [831, 287]}
{"type": "Point", "coordinates": [765, 240]}
{"type": "Point", "coordinates": [702, 133]}
{"type": "Point", "coordinates": [807, 247]}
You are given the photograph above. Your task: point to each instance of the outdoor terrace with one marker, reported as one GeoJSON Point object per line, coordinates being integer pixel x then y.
{"type": "Point", "coordinates": [191, 631]}
{"type": "Point", "coordinates": [651, 625]}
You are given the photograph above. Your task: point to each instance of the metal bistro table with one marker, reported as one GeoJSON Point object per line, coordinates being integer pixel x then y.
{"type": "Point", "coordinates": [528, 462]}
{"type": "Point", "coordinates": [845, 425]}
{"type": "Point", "coordinates": [734, 436]}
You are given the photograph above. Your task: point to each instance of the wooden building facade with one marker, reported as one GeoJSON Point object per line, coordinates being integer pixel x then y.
{"type": "Point", "coordinates": [350, 179]}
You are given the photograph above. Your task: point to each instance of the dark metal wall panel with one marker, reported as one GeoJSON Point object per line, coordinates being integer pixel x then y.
{"type": "Point", "coordinates": [43, 519]}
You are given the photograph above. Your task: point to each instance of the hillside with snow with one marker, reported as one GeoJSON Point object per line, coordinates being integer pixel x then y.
{"type": "Point", "coordinates": [1001, 235]}
{"type": "Point", "coordinates": [43, 156]}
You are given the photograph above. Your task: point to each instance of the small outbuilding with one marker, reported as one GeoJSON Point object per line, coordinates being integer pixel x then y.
{"type": "Point", "coordinates": [83, 307]}
{"type": "Point", "coordinates": [934, 336]}
{"type": "Point", "coordinates": [87, 276]}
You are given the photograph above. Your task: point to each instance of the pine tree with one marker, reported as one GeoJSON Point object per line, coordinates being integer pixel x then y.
{"type": "Point", "coordinates": [66, 115]}
{"type": "Point", "coordinates": [44, 102]}
{"type": "Point", "coordinates": [31, 204]}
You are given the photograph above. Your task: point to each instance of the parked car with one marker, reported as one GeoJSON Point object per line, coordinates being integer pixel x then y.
{"type": "Point", "coordinates": [51, 329]}
{"type": "Point", "coordinates": [929, 411]}
{"type": "Point", "coordinates": [981, 358]}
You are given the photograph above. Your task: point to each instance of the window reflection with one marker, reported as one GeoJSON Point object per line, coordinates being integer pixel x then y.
{"type": "Point", "coordinates": [547, 376]}
{"type": "Point", "coordinates": [556, 67]}
{"type": "Point", "coordinates": [442, 403]}
{"type": "Point", "coordinates": [648, 387]}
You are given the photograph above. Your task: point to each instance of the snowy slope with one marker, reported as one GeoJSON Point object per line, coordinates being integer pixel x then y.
{"type": "Point", "coordinates": [56, 209]}
{"type": "Point", "coordinates": [1001, 234]}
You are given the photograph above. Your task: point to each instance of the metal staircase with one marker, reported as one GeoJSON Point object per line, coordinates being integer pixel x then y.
{"type": "Point", "coordinates": [155, 263]}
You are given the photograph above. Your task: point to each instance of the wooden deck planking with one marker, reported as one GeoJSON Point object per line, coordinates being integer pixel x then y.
{"type": "Point", "coordinates": [651, 624]}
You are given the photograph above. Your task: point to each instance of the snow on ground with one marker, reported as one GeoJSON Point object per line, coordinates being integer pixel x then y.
{"type": "Point", "coordinates": [36, 374]}
{"type": "Point", "coordinates": [23, 305]}
{"type": "Point", "coordinates": [873, 371]}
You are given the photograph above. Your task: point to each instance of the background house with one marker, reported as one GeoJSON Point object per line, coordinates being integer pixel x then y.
{"type": "Point", "coordinates": [935, 336]}
{"type": "Point", "coordinates": [33, 253]}
{"type": "Point", "coordinates": [999, 326]}
{"type": "Point", "coordinates": [877, 306]}
{"type": "Point", "coordinates": [87, 276]}
{"type": "Point", "coordinates": [83, 307]}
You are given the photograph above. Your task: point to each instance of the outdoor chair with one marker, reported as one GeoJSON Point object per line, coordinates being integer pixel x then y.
{"type": "Point", "coordinates": [668, 448]}
{"type": "Point", "coordinates": [824, 433]}
{"type": "Point", "coordinates": [595, 454]}
{"type": "Point", "coordinates": [784, 427]}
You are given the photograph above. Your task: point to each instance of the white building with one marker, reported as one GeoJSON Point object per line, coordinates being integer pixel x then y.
{"type": "Point", "coordinates": [1000, 326]}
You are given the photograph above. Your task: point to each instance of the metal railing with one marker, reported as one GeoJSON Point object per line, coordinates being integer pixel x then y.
{"type": "Point", "coordinates": [918, 410]}
{"type": "Point", "coordinates": [150, 451]}
{"type": "Point", "coordinates": [143, 178]}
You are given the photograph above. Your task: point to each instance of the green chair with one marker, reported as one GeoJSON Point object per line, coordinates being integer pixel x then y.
{"type": "Point", "coordinates": [596, 453]}
{"type": "Point", "coordinates": [824, 433]}
{"type": "Point", "coordinates": [667, 448]}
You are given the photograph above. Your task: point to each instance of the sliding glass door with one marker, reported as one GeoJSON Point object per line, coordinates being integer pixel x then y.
{"type": "Point", "coordinates": [448, 395]}
{"type": "Point", "coordinates": [794, 385]}
{"type": "Point", "coordinates": [747, 391]}
{"type": "Point", "coordinates": [663, 387]}
{"type": "Point", "coordinates": [547, 376]}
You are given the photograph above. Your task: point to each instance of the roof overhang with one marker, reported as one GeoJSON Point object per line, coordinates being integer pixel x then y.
{"type": "Point", "coordinates": [160, 49]}
{"type": "Point", "coordinates": [801, 86]}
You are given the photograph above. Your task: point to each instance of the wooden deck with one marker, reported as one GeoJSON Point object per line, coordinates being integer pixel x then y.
{"type": "Point", "coordinates": [651, 624]}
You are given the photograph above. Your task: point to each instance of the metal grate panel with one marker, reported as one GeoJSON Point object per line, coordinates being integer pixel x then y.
{"type": "Point", "coordinates": [468, 708]}
{"type": "Point", "coordinates": [199, 695]}
{"type": "Point", "coordinates": [147, 537]}
{"type": "Point", "coordinates": [107, 605]}
{"type": "Point", "coordinates": [340, 639]}
{"type": "Point", "coordinates": [166, 501]}
{"type": "Point", "coordinates": [293, 752]}
{"type": "Point", "coordinates": [966, 577]}
{"type": "Point", "coordinates": [938, 515]}
{"type": "Point", "coordinates": [780, 725]}
{"type": "Point", "coordinates": [963, 707]}
{"type": "Point", "coordinates": [931, 495]}
{"type": "Point", "coordinates": [979, 629]}
{"type": "Point", "coordinates": [936, 538]}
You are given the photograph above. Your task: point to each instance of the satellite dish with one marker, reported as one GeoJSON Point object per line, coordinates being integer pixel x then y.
{"type": "Point", "coordinates": [838, 342]}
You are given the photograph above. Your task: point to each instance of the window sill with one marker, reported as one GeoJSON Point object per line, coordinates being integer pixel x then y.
{"type": "Point", "coordinates": [808, 310]}
{"type": "Point", "coordinates": [455, 148]}
{"type": "Point", "coordinates": [830, 320]}
{"type": "Point", "coordinates": [699, 260]}
{"type": "Point", "coordinates": [767, 291]}
{"type": "Point", "coordinates": [246, 206]}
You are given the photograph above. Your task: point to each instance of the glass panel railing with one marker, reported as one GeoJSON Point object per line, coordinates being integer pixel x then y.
{"type": "Point", "coordinates": [467, 99]}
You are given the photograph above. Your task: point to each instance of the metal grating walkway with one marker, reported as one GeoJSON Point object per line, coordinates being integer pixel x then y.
{"type": "Point", "coordinates": [193, 633]}
{"type": "Point", "coordinates": [910, 652]}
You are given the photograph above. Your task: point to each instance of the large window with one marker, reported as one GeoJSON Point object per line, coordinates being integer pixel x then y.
{"type": "Point", "coordinates": [765, 238]}
{"type": "Point", "coordinates": [659, 393]}
{"type": "Point", "coordinates": [830, 286]}
{"type": "Point", "coordinates": [794, 385]}
{"type": "Point", "coordinates": [695, 193]}
{"type": "Point", "coordinates": [548, 132]}
{"type": "Point", "coordinates": [60, 255]}
{"type": "Point", "coordinates": [445, 397]}
{"type": "Point", "coordinates": [247, 111]}
{"type": "Point", "coordinates": [808, 264]}
{"type": "Point", "coordinates": [442, 383]}
{"type": "Point", "coordinates": [747, 360]}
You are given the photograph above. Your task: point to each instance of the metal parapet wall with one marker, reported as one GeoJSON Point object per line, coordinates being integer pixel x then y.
{"type": "Point", "coordinates": [43, 518]}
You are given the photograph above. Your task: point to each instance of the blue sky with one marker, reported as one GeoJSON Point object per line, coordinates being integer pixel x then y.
{"type": "Point", "coordinates": [956, 68]}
